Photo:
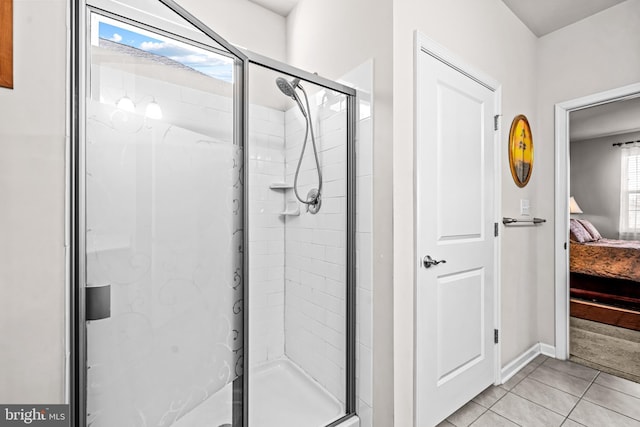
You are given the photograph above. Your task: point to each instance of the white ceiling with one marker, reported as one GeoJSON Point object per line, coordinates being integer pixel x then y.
{"type": "Point", "coordinates": [616, 118]}
{"type": "Point", "coordinates": [281, 7]}
{"type": "Point", "coordinates": [541, 16]}
{"type": "Point", "coordinates": [545, 16]}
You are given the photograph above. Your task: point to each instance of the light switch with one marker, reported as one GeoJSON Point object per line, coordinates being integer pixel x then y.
{"type": "Point", "coordinates": [525, 209]}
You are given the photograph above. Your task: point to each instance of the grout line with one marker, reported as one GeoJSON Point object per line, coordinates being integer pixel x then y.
{"type": "Point", "coordinates": [610, 409]}
{"type": "Point", "coordinates": [508, 419]}
{"type": "Point", "coordinates": [605, 407]}
{"type": "Point", "coordinates": [478, 417]}
{"type": "Point", "coordinates": [590, 384]}
{"type": "Point", "coordinates": [556, 388]}
{"type": "Point", "coordinates": [543, 407]}
{"type": "Point", "coordinates": [619, 391]}
{"type": "Point", "coordinates": [575, 376]}
{"type": "Point", "coordinates": [581, 397]}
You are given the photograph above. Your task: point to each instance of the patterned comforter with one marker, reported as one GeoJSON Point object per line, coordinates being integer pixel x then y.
{"type": "Point", "coordinates": [616, 259]}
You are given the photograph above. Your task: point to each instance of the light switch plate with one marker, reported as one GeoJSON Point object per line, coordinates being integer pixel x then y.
{"type": "Point", "coordinates": [525, 208]}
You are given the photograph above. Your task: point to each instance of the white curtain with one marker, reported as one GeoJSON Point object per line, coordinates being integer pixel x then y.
{"type": "Point", "coordinates": [630, 193]}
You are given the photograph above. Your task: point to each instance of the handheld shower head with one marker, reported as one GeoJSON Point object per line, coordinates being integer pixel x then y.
{"type": "Point", "coordinates": [289, 89]}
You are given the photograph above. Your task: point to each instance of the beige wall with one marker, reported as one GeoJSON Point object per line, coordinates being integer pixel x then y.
{"type": "Point", "coordinates": [596, 54]}
{"type": "Point", "coordinates": [243, 24]}
{"type": "Point", "coordinates": [491, 39]}
{"type": "Point", "coordinates": [331, 37]}
{"type": "Point", "coordinates": [595, 180]}
{"type": "Point", "coordinates": [32, 187]}
{"type": "Point", "coordinates": [32, 182]}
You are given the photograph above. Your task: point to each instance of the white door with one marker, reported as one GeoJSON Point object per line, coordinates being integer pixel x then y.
{"type": "Point", "coordinates": [455, 189]}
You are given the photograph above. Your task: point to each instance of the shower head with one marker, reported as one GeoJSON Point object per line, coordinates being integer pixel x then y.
{"type": "Point", "coordinates": [289, 89]}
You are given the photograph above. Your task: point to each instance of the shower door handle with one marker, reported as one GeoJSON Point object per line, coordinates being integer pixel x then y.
{"type": "Point", "coordinates": [97, 302]}
{"type": "Point", "coordinates": [427, 261]}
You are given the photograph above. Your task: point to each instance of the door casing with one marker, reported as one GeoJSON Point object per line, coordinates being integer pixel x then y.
{"type": "Point", "coordinates": [561, 216]}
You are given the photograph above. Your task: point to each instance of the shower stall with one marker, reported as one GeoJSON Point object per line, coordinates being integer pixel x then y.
{"type": "Point", "coordinates": [213, 224]}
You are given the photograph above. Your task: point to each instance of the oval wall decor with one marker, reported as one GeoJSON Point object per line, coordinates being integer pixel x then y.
{"type": "Point", "coordinates": [520, 150]}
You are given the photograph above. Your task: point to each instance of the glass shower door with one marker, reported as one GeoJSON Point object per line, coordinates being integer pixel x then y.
{"type": "Point", "coordinates": [164, 239]}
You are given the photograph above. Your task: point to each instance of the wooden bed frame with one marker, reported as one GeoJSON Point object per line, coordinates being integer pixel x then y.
{"type": "Point", "coordinates": [611, 301]}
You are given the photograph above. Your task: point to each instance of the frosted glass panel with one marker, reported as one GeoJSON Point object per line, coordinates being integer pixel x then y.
{"type": "Point", "coordinates": [164, 230]}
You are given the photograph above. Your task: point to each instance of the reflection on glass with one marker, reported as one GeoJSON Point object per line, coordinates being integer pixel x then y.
{"type": "Point", "coordinates": [110, 32]}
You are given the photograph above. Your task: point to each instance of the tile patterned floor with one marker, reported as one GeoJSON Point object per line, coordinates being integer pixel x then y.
{"type": "Point", "coordinates": [552, 393]}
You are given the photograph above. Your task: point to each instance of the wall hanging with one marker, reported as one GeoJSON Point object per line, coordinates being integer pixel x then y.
{"type": "Point", "coordinates": [520, 150]}
{"type": "Point", "coordinates": [6, 43]}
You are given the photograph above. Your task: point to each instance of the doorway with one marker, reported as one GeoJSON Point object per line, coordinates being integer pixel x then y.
{"type": "Point", "coordinates": [603, 279]}
{"type": "Point", "coordinates": [562, 208]}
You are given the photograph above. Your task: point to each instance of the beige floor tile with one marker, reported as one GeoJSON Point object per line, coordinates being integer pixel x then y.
{"type": "Point", "coordinates": [490, 396]}
{"type": "Point", "coordinates": [561, 381]}
{"type": "Point", "coordinates": [571, 368]}
{"type": "Point", "coordinates": [614, 400]}
{"type": "Point", "coordinates": [592, 415]}
{"type": "Point", "coordinates": [620, 384]}
{"type": "Point", "coordinates": [491, 419]}
{"type": "Point", "coordinates": [547, 396]}
{"type": "Point", "coordinates": [526, 413]}
{"type": "Point", "coordinates": [464, 416]}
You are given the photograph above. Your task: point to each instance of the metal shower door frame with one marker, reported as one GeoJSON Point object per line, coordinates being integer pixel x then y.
{"type": "Point", "coordinates": [76, 216]}
{"type": "Point", "coordinates": [350, 279]}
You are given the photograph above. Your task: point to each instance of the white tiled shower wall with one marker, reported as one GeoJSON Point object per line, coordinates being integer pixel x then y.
{"type": "Point", "coordinates": [315, 249]}
{"type": "Point", "coordinates": [266, 234]}
{"type": "Point", "coordinates": [313, 314]}
{"type": "Point", "coordinates": [315, 259]}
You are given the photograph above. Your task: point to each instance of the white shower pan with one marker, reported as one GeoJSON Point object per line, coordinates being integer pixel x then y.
{"type": "Point", "coordinates": [281, 395]}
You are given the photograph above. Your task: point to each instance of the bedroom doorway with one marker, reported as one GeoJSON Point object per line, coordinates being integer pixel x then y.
{"type": "Point", "coordinates": [595, 316]}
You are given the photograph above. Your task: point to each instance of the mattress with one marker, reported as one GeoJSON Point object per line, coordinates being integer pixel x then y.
{"type": "Point", "coordinates": [614, 259]}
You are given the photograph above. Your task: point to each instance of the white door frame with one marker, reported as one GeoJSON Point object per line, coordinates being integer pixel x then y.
{"type": "Point", "coordinates": [562, 111]}
{"type": "Point", "coordinates": [424, 44]}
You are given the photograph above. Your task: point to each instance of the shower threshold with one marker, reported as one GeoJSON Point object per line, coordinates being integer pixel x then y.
{"type": "Point", "coordinates": [282, 395]}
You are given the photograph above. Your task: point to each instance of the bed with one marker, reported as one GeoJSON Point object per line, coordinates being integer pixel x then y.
{"type": "Point", "coordinates": [604, 277]}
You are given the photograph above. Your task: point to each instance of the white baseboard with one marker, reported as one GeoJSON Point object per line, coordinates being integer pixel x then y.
{"type": "Point", "coordinates": [548, 350]}
{"type": "Point", "coordinates": [523, 360]}
{"type": "Point", "coordinates": [518, 363]}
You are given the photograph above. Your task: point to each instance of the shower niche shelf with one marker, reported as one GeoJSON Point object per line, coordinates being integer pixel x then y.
{"type": "Point", "coordinates": [291, 206]}
{"type": "Point", "coordinates": [281, 186]}
{"type": "Point", "coordinates": [291, 212]}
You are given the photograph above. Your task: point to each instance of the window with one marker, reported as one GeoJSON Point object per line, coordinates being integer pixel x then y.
{"type": "Point", "coordinates": [111, 32]}
{"type": "Point", "coordinates": [630, 194]}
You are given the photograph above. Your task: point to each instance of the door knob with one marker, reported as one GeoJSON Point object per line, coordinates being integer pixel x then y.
{"type": "Point", "coordinates": [427, 261]}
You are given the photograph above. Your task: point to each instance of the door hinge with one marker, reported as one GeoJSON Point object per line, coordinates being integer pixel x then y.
{"type": "Point", "coordinates": [565, 246]}
{"type": "Point", "coordinates": [495, 336]}
{"type": "Point", "coordinates": [495, 121]}
{"type": "Point", "coordinates": [495, 229]}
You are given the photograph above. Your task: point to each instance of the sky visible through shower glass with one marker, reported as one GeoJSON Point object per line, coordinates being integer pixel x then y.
{"type": "Point", "coordinates": [204, 61]}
